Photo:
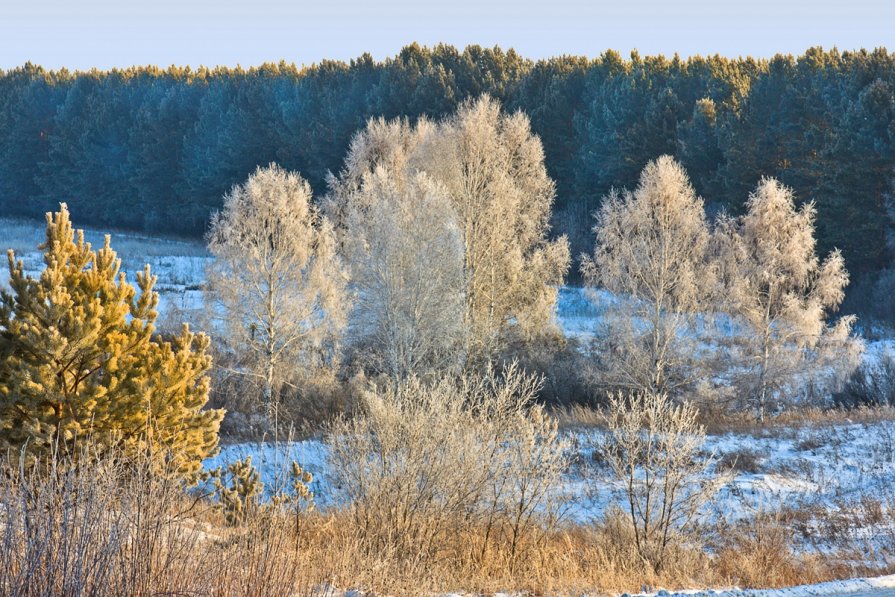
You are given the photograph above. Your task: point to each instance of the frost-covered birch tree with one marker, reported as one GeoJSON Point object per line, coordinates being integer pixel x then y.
{"type": "Point", "coordinates": [399, 234]}
{"type": "Point", "coordinates": [277, 280]}
{"type": "Point", "coordinates": [406, 257]}
{"type": "Point", "coordinates": [650, 252]}
{"type": "Point", "coordinates": [782, 293]}
{"type": "Point", "coordinates": [655, 448]}
{"type": "Point", "coordinates": [491, 168]}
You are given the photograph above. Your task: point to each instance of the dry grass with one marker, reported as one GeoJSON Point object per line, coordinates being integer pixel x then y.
{"type": "Point", "coordinates": [108, 529]}
{"type": "Point", "coordinates": [794, 419]}
{"type": "Point", "coordinates": [760, 555]}
{"type": "Point", "coordinates": [103, 532]}
{"type": "Point", "coordinates": [724, 421]}
{"type": "Point", "coordinates": [799, 545]}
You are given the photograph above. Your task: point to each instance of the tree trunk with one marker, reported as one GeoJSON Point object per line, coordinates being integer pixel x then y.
{"type": "Point", "coordinates": [762, 380]}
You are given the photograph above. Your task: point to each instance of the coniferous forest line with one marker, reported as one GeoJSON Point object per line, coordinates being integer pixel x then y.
{"type": "Point", "coordinates": [155, 149]}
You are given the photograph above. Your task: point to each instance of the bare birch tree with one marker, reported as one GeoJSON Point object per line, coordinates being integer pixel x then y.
{"type": "Point", "coordinates": [651, 252]}
{"type": "Point", "coordinates": [781, 294]}
{"type": "Point", "coordinates": [276, 279]}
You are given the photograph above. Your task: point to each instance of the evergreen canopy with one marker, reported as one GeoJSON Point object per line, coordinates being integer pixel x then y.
{"type": "Point", "coordinates": [79, 360]}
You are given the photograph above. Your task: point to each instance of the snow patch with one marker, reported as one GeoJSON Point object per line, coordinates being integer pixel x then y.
{"type": "Point", "coordinates": [856, 587]}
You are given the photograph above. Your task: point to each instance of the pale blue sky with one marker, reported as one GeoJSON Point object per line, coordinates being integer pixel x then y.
{"type": "Point", "coordinates": [80, 34]}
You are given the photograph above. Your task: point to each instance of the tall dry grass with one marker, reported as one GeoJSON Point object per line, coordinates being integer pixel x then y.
{"type": "Point", "coordinates": [721, 421]}
{"type": "Point", "coordinates": [99, 526]}
{"type": "Point", "coordinates": [109, 528]}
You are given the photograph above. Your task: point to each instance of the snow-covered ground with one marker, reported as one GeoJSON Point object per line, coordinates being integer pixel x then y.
{"type": "Point", "coordinates": [881, 586]}
{"type": "Point", "coordinates": [807, 469]}
{"type": "Point", "coordinates": [829, 469]}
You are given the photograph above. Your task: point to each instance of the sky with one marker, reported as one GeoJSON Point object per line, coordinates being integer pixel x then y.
{"type": "Point", "coordinates": [82, 34]}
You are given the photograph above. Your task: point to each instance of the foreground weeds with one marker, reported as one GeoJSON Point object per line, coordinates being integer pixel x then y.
{"type": "Point", "coordinates": [107, 529]}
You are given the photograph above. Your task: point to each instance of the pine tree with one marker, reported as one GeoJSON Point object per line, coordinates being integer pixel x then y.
{"type": "Point", "coordinates": [79, 361]}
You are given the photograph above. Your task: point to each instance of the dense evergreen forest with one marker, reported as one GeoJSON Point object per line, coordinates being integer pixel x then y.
{"type": "Point", "coordinates": [155, 149]}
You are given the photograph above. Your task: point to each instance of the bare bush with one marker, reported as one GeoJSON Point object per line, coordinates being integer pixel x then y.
{"type": "Point", "coordinates": [761, 553]}
{"type": "Point", "coordinates": [563, 365]}
{"type": "Point", "coordinates": [109, 530]}
{"type": "Point", "coordinates": [743, 460]}
{"type": "Point", "coordinates": [428, 460]}
{"type": "Point", "coordinates": [872, 383]}
{"type": "Point", "coordinates": [97, 526]}
{"type": "Point", "coordinates": [654, 447]}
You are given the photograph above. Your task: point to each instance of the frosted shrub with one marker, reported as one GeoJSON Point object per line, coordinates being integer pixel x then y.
{"type": "Point", "coordinates": [872, 383]}
{"type": "Point", "coordinates": [653, 446]}
{"type": "Point", "coordinates": [425, 461]}
{"type": "Point", "coordinates": [86, 521]}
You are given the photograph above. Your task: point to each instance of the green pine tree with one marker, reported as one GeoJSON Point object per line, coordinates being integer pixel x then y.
{"type": "Point", "coordinates": [79, 362]}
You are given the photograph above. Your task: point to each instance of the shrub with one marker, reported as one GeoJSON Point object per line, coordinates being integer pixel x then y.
{"type": "Point", "coordinates": [871, 384]}
{"type": "Point", "coordinates": [424, 461]}
{"type": "Point", "coordinates": [561, 362]}
{"type": "Point", "coordinates": [740, 461]}
{"type": "Point", "coordinates": [102, 528]}
{"type": "Point", "coordinates": [760, 553]}
{"type": "Point", "coordinates": [654, 448]}
{"type": "Point", "coordinates": [98, 528]}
